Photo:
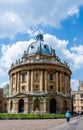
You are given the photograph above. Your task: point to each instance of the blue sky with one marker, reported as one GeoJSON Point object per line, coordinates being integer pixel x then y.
{"type": "Point", "coordinates": [61, 23]}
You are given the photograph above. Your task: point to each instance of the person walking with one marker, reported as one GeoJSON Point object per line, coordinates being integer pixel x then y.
{"type": "Point", "coordinates": [68, 116]}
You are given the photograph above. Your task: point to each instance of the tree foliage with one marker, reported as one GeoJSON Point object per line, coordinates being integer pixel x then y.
{"type": "Point", "coordinates": [6, 90]}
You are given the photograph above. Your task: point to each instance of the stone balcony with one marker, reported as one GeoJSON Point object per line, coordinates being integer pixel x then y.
{"type": "Point", "coordinates": [38, 61]}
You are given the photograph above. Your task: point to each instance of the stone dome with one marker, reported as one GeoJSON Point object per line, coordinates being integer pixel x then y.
{"type": "Point", "coordinates": [39, 46]}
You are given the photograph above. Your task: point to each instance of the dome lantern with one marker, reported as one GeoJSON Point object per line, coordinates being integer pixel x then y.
{"type": "Point", "coordinates": [39, 37]}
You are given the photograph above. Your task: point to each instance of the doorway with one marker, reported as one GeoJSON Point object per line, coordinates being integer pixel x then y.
{"type": "Point", "coordinates": [52, 106]}
{"type": "Point", "coordinates": [21, 105]}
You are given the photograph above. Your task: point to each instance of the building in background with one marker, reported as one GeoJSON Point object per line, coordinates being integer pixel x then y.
{"type": "Point", "coordinates": [3, 101]}
{"type": "Point", "coordinates": [78, 98]}
{"type": "Point", "coordinates": [39, 82]}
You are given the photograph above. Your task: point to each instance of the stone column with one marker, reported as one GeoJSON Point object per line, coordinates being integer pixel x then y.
{"type": "Point", "coordinates": [16, 78]}
{"type": "Point", "coordinates": [18, 82]}
{"type": "Point", "coordinates": [44, 104]}
{"type": "Point", "coordinates": [26, 106]}
{"type": "Point", "coordinates": [63, 83]}
{"type": "Point", "coordinates": [28, 81]}
{"type": "Point", "coordinates": [32, 81]}
{"type": "Point", "coordinates": [69, 85]}
{"type": "Point", "coordinates": [57, 81]}
{"type": "Point", "coordinates": [60, 81]}
{"type": "Point", "coordinates": [46, 80]}
{"type": "Point", "coordinates": [41, 81]}
{"type": "Point", "coordinates": [10, 86]}
{"type": "Point", "coordinates": [16, 106]}
{"type": "Point", "coordinates": [11, 83]}
{"type": "Point", "coordinates": [8, 106]}
{"type": "Point", "coordinates": [66, 84]}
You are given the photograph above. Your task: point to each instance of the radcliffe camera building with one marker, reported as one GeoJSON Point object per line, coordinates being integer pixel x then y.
{"type": "Point", "coordinates": [39, 82]}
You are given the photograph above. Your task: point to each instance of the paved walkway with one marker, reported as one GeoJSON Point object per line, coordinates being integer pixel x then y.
{"type": "Point", "coordinates": [42, 124]}
{"type": "Point", "coordinates": [65, 125]}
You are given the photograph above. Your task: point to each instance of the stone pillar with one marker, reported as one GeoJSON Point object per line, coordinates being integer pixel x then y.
{"type": "Point", "coordinates": [8, 106]}
{"type": "Point", "coordinates": [63, 83]}
{"type": "Point", "coordinates": [18, 82]}
{"type": "Point", "coordinates": [16, 77]}
{"type": "Point", "coordinates": [41, 81]}
{"type": "Point", "coordinates": [26, 106]}
{"type": "Point", "coordinates": [60, 81]}
{"type": "Point", "coordinates": [66, 89]}
{"type": "Point", "coordinates": [28, 81]}
{"type": "Point", "coordinates": [68, 84]}
{"type": "Point", "coordinates": [10, 86]}
{"type": "Point", "coordinates": [46, 80]}
{"type": "Point", "coordinates": [16, 106]}
{"type": "Point", "coordinates": [57, 81]}
{"type": "Point", "coordinates": [44, 104]}
{"type": "Point", "coordinates": [32, 81]}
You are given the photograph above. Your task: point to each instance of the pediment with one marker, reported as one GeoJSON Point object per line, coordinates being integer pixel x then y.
{"type": "Point", "coordinates": [20, 95]}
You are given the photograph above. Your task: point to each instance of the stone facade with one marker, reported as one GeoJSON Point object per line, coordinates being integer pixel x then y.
{"type": "Point", "coordinates": [78, 98]}
{"type": "Point", "coordinates": [40, 82]}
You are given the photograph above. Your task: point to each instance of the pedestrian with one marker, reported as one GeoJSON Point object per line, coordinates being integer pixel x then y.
{"type": "Point", "coordinates": [68, 116]}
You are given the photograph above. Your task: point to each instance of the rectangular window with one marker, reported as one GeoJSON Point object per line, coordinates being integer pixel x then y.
{"type": "Point", "coordinates": [81, 101]}
{"type": "Point", "coordinates": [23, 88]}
{"type": "Point", "coordinates": [23, 77]}
{"type": "Point", "coordinates": [51, 76]}
{"type": "Point", "coordinates": [51, 87]}
{"type": "Point", "coordinates": [81, 108]}
{"type": "Point", "coordinates": [81, 95]}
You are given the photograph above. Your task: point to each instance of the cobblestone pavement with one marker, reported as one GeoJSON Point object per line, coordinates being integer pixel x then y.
{"type": "Point", "coordinates": [43, 124]}
{"type": "Point", "coordinates": [29, 124]}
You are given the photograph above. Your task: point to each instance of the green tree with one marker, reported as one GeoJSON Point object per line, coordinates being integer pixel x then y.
{"type": "Point", "coordinates": [6, 90]}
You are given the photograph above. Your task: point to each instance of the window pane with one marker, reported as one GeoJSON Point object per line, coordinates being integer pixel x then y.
{"type": "Point", "coordinates": [51, 76]}
{"type": "Point", "coordinates": [23, 77]}
{"type": "Point", "coordinates": [81, 95]}
{"type": "Point", "coordinates": [51, 87]}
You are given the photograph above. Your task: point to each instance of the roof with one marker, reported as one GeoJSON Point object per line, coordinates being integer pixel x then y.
{"type": "Point", "coordinates": [39, 46]}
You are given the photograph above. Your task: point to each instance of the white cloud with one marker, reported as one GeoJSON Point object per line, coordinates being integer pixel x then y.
{"type": "Point", "coordinates": [73, 11]}
{"type": "Point", "coordinates": [78, 49]}
{"type": "Point", "coordinates": [3, 84]}
{"type": "Point", "coordinates": [2, 73]}
{"type": "Point", "coordinates": [75, 39]}
{"type": "Point", "coordinates": [10, 23]}
{"type": "Point", "coordinates": [9, 55]}
{"type": "Point", "coordinates": [13, 52]}
{"type": "Point", "coordinates": [74, 84]}
{"type": "Point", "coordinates": [74, 56]}
{"type": "Point", "coordinates": [18, 15]}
